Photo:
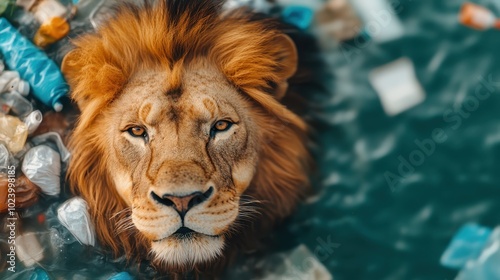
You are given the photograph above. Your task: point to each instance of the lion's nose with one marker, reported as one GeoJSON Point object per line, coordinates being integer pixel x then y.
{"type": "Point", "coordinates": [182, 203]}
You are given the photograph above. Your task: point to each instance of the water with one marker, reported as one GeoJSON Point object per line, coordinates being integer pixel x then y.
{"type": "Point", "coordinates": [399, 230]}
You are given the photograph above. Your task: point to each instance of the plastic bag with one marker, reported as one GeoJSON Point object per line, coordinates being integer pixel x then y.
{"type": "Point", "coordinates": [55, 138]}
{"type": "Point", "coordinates": [42, 165]}
{"type": "Point", "coordinates": [74, 216]}
{"type": "Point", "coordinates": [13, 133]}
{"type": "Point", "coordinates": [45, 78]}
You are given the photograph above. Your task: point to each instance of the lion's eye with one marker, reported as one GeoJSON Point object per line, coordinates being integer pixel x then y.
{"type": "Point", "coordinates": [220, 126]}
{"type": "Point", "coordinates": [137, 131]}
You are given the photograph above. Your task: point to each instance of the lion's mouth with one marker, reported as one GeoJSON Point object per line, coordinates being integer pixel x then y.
{"type": "Point", "coordinates": [184, 233]}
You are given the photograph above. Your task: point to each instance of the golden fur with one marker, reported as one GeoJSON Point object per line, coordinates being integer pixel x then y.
{"type": "Point", "coordinates": [165, 66]}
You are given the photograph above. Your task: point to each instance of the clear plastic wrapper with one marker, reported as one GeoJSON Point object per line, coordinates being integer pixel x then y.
{"type": "Point", "coordinates": [45, 78]}
{"type": "Point", "coordinates": [16, 104]}
{"type": "Point", "coordinates": [33, 121]}
{"type": "Point", "coordinates": [13, 133]}
{"type": "Point", "coordinates": [4, 158]}
{"type": "Point", "coordinates": [73, 214]}
{"type": "Point", "coordinates": [42, 165]}
{"type": "Point", "coordinates": [53, 137]}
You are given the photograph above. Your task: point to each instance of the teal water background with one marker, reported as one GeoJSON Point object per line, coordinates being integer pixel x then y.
{"type": "Point", "coordinates": [399, 230]}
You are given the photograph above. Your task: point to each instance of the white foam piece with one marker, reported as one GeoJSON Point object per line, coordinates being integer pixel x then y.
{"type": "Point", "coordinates": [397, 86]}
{"type": "Point", "coordinates": [380, 19]}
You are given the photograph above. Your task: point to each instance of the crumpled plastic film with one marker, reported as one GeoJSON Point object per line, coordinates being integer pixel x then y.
{"type": "Point", "coordinates": [42, 165]}
{"type": "Point", "coordinates": [73, 214]}
{"type": "Point", "coordinates": [13, 133]}
{"type": "Point", "coordinates": [55, 138]}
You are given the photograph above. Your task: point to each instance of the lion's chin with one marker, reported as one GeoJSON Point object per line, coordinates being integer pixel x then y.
{"type": "Point", "coordinates": [195, 249]}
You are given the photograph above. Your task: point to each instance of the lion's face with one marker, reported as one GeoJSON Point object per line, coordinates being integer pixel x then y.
{"type": "Point", "coordinates": [183, 148]}
{"type": "Point", "coordinates": [181, 160]}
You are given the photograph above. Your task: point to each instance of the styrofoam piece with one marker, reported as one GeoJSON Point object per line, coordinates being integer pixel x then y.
{"type": "Point", "coordinates": [397, 86]}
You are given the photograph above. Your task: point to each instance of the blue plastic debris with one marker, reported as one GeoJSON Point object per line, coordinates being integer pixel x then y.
{"type": "Point", "coordinates": [45, 78]}
{"type": "Point", "coordinates": [466, 245]}
{"type": "Point", "coordinates": [298, 16]}
{"type": "Point", "coordinates": [39, 274]}
{"type": "Point", "coordinates": [121, 276]}
{"type": "Point", "coordinates": [487, 265]}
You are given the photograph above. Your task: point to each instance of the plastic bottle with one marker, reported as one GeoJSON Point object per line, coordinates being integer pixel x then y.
{"type": "Point", "coordinates": [45, 78]}
{"type": "Point", "coordinates": [13, 132]}
{"type": "Point", "coordinates": [478, 17]}
{"type": "Point", "coordinates": [33, 121]}
{"type": "Point", "coordinates": [10, 80]}
{"type": "Point", "coordinates": [51, 14]}
{"type": "Point", "coordinates": [16, 103]}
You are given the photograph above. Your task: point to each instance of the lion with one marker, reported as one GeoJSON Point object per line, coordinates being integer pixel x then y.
{"type": "Point", "coordinates": [183, 149]}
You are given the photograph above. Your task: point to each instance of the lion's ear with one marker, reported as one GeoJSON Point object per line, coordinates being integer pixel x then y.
{"type": "Point", "coordinates": [287, 63]}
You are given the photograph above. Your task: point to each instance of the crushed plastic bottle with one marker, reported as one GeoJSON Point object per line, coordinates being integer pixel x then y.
{"type": "Point", "coordinates": [51, 14]}
{"type": "Point", "coordinates": [13, 132]}
{"type": "Point", "coordinates": [486, 265]}
{"type": "Point", "coordinates": [13, 102]}
{"type": "Point", "coordinates": [45, 78]}
{"type": "Point", "coordinates": [42, 166]}
{"type": "Point", "coordinates": [467, 244]}
{"type": "Point", "coordinates": [74, 215]}
{"type": "Point", "coordinates": [33, 121]}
